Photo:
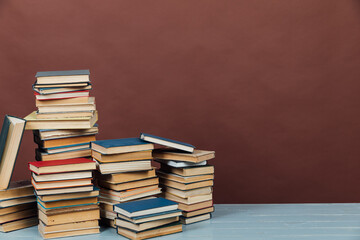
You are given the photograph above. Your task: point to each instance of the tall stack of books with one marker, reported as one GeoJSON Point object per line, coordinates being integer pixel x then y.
{"type": "Point", "coordinates": [185, 177]}
{"type": "Point", "coordinates": [17, 200]}
{"type": "Point", "coordinates": [124, 173]}
{"type": "Point", "coordinates": [147, 218]}
{"type": "Point", "coordinates": [66, 198]}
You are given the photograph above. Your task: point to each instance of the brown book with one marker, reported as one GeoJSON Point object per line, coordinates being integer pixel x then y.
{"type": "Point", "coordinates": [19, 224]}
{"type": "Point", "coordinates": [198, 212]}
{"type": "Point", "coordinates": [127, 176]}
{"type": "Point", "coordinates": [144, 226]}
{"type": "Point", "coordinates": [182, 179]}
{"type": "Point", "coordinates": [69, 196]}
{"type": "Point", "coordinates": [61, 156]}
{"type": "Point", "coordinates": [188, 200]}
{"type": "Point", "coordinates": [68, 226]}
{"type": "Point", "coordinates": [56, 211]}
{"type": "Point", "coordinates": [186, 186]}
{"type": "Point", "coordinates": [122, 157]}
{"type": "Point", "coordinates": [107, 214]}
{"type": "Point", "coordinates": [18, 215]}
{"type": "Point", "coordinates": [156, 232]}
{"type": "Point", "coordinates": [64, 141]}
{"type": "Point", "coordinates": [78, 100]}
{"type": "Point", "coordinates": [68, 203]}
{"type": "Point", "coordinates": [51, 134]}
{"type": "Point", "coordinates": [188, 171]}
{"type": "Point", "coordinates": [188, 193]}
{"type": "Point", "coordinates": [56, 191]}
{"type": "Point", "coordinates": [56, 115]}
{"type": "Point", "coordinates": [17, 190]}
{"type": "Point", "coordinates": [17, 208]}
{"type": "Point", "coordinates": [70, 233]}
{"type": "Point", "coordinates": [69, 217]}
{"type": "Point", "coordinates": [195, 219]}
{"type": "Point", "coordinates": [176, 155]}
{"type": "Point", "coordinates": [129, 185]}
{"type": "Point", "coordinates": [196, 206]}
{"type": "Point", "coordinates": [17, 201]}
{"type": "Point", "coordinates": [62, 183]}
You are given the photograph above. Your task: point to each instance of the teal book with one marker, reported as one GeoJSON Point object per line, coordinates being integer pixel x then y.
{"type": "Point", "coordinates": [123, 145]}
{"type": "Point", "coordinates": [62, 73]}
{"type": "Point", "coordinates": [10, 140]}
{"type": "Point", "coordinates": [167, 142]}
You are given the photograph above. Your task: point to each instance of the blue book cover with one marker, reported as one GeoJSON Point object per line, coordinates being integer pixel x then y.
{"type": "Point", "coordinates": [155, 214]}
{"type": "Point", "coordinates": [119, 142]}
{"type": "Point", "coordinates": [62, 73]}
{"type": "Point", "coordinates": [167, 142]}
{"type": "Point", "coordinates": [78, 205]}
{"type": "Point", "coordinates": [147, 204]}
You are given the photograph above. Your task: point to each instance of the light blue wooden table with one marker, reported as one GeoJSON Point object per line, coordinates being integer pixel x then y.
{"type": "Point", "coordinates": [254, 222]}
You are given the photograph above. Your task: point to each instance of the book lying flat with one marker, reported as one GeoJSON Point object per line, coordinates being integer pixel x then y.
{"type": "Point", "coordinates": [68, 226]}
{"type": "Point", "coordinates": [80, 153]}
{"type": "Point", "coordinates": [151, 217]}
{"type": "Point", "coordinates": [130, 185]}
{"type": "Point", "coordinates": [57, 191]}
{"type": "Point", "coordinates": [19, 224]}
{"type": "Point", "coordinates": [131, 194]}
{"type": "Point", "coordinates": [78, 100]}
{"type": "Point", "coordinates": [17, 208]}
{"type": "Point", "coordinates": [155, 232]}
{"type": "Point", "coordinates": [188, 171]}
{"type": "Point", "coordinates": [16, 190]}
{"type": "Point", "coordinates": [64, 142]}
{"type": "Point", "coordinates": [70, 233]}
{"type": "Point", "coordinates": [167, 142]}
{"type": "Point", "coordinates": [69, 196]}
{"type": "Point", "coordinates": [127, 176]}
{"type": "Point", "coordinates": [17, 201]}
{"type": "Point", "coordinates": [61, 115]}
{"type": "Point", "coordinates": [59, 166]}
{"type": "Point", "coordinates": [55, 96]}
{"type": "Point", "coordinates": [63, 77]}
{"type": "Point", "coordinates": [89, 106]}
{"type": "Point", "coordinates": [188, 200]}
{"type": "Point", "coordinates": [198, 212]}
{"type": "Point", "coordinates": [59, 123]}
{"type": "Point", "coordinates": [177, 164]}
{"type": "Point", "coordinates": [145, 207]}
{"type": "Point", "coordinates": [56, 211]}
{"type": "Point", "coordinates": [18, 215]}
{"type": "Point", "coordinates": [124, 145]}
{"type": "Point", "coordinates": [186, 186]}
{"type": "Point", "coordinates": [69, 217]}
{"type": "Point", "coordinates": [61, 176]}
{"type": "Point", "coordinates": [139, 165]}
{"type": "Point", "coordinates": [182, 179]}
{"type": "Point", "coordinates": [66, 148]}
{"type": "Point", "coordinates": [195, 219]}
{"type": "Point", "coordinates": [144, 226]}
{"type": "Point", "coordinates": [176, 155]}
{"type": "Point", "coordinates": [122, 157]}
{"type": "Point", "coordinates": [62, 183]}
{"type": "Point", "coordinates": [52, 90]}
{"type": "Point", "coordinates": [188, 193]}
{"type": "Point", "coordinates": [52, 134]}
{"type": "Point", "coordinates": [10, 140]}
{"type": "Point", "coordinates": [68, 203]}
{"type": "Point", "coordinates": [196, 206]}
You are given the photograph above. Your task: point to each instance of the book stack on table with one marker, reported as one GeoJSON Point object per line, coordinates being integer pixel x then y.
{"type": "Point", "coordinates": [66, 198]}
{"type": "Point", "coordinates": [124, 173]}
{"type": "Point", "coordinates": [147, 218]}
{"type": "Point", "coordinates": [17, 207]}
{"type": "Point", "coordinates": [185, 177]}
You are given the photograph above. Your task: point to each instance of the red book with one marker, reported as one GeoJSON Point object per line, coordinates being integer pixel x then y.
{"type": "Point", "coordinates": [60, 166]}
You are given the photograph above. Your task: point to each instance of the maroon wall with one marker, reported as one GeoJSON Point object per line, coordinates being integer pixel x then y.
{"type": "Point", "coordinates": [272, 86]}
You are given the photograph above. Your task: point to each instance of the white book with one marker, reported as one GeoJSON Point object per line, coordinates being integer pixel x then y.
{"type": "Point", "coordinates": [178, 164]}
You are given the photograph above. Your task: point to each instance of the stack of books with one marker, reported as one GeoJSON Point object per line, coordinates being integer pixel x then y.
{"type": "Point", "coordinates": [147, 218]}
{"type": "Point", "coordinates": [124, 173]}
{"type": "Point", "coordinates": [17, 207]}
{"type": "Point", "coordinates": [66, 198]}
{"type": "Point", "coordinates": [185, 177]}
{"type": "Point", "coordinates": [64, 124]}
{"type": "Point", "coordinates": [17, 200]}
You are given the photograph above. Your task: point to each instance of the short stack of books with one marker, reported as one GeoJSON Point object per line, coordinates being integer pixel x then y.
{"type": "Point", "coordinates": [64, 122]}
{"type": "Point", "coordinates": [148, 218]}
{"type": "Point", "coordinates": [17, 207]}
{"type": "Point", "coordinates": [66, 197]}
{"type": "Point", "coordinates": [124, 173]}
{"type": "Point", "coordinates": [185, 177]}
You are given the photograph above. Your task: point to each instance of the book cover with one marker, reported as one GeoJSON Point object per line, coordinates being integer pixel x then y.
{"type": "Point", "coordinates": [40, 164]}
{"type": "Point", "coordinates": [119, 142]}
{"type": "Point", "coordinates": [141, 205]}
{"type": "Point", "coordinates": [62, 73]}
{"type": "Point", "coordinates": [167, 142]}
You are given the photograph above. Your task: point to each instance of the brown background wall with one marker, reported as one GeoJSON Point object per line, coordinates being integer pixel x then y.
{"type": "Point", "coordinates": [272, 86]}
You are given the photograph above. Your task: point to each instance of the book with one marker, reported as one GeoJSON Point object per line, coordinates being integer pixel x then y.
{"type": "Point", "coordinates": [189, 171]}
{"type": "Point", "coordinates": [51, 90]}
{"type": "Point", "coordinates": [139, 165]}
{"type": "Point", "coordinates": [89, 106]}
{"type": "Point", "coordinates": [196, 206]}
{"type": "Point", "coordinates": [150, 217]}
{"type": "Point", "coordinates": [72, 233]}
{"type": "Point", "coordinates": [145, 207]}
{"type": "Point", "coordinates": [51, 134]}
{"type": "Point", "coordinates": [10, 140]}
{"type": "Point", "coordinates": [195, 219]}
{"type": "Point", "coordinates": [91, 224]}
{"type": "Point", "coordinates": [64, 142]}
{"type": "Point", "coordinates": [69, 196]}
{"type": "Point", "coordinates": [186, 186]}
{"type": "Point", "coordinates": [69, 217]}
{"type": "Point", "coordinates": [156, 232]}
{"type": "Point", "coordinates": [56, 96]}
{"type": "Point", "coordinates": [65, 210]}
{"type": "Point", "coordinates": [19, 224]}
{"type": "Point", "coordinates": [107, 214]}
{"type": "Point", "coordinates": [61, 115]}
{"type": "Point", "coordinates": [57, 191]}
{"type": "Point", "coordinates": [17, 201]}
{"type": "Point", "coordinates": [124, 145]}
{"type": "Point", "coordinates": [61, 176]}
{"type": "Point", "coordinates": [129, 185]}
{"type": "Point", "coordinates": [122, 157]}
{"type": "Point", "coordinates": [17, 190]}
{"type": "Point", "coordinates": [43, 156]}
{"type": "Point", "coordinates": [198, 212]}
{"type": "Point", "coordinates": [144, 226]}
{"type": "Point", "coordinates": [34, 123]}
{"type": "Point", "coordinates": [167, 142]}
{"type": "Point", "coordinates": [62, 77]}
{"type": "Point", "coordinates": [59, 166]}
{"type": "Point", "coordinates": [188, 193]}
{"type": "Point", "coordinates": [176, 155]}
{"type": "Point", "coordinates": [62, 183]}
{"type": "Point", "coordinates": [68, 203]}
{"type": "Point", "coordinates": [78, 100]}
{"type": "Point", "coordinates": [127, 176]}
{"type": "Point", "coordinates": [177, 164]}
{"type": "Point", "coordinates": [107, 195]}
{"type": "Point", "coordinates": [66, 148]}
{"type": "Point", "coordinates": [35, 85]}
{"type": "Point", "coordinates": [17, 208]}
{"type": "Point", "coordinates": [18, 215]}
{"type": "Point", "coordinates": [188, 200]}
{"type": "Point", "coordinates": [182, 179]}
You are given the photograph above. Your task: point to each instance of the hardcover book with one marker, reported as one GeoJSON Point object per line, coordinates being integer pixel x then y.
{"type": "Point", "coordinates": [58, 166]}
{"type": "Point", "coordinates": [167, 142]}
{"type": "Point", "coordinates": [62, 77]}
{"type": "Point", "coordinates": [123, 145]}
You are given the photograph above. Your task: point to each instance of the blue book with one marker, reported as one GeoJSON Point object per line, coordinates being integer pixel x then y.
{"type": "Point", "coordinates": [67, 148]}
{"type": "Point", "coordinates": [152, 217]}
{"type": "Point", "coordinates": [124, 145]}
{"type": "Point", "coordinates": [10, 140]}
{"type": "Point", "coordinates": [145, 207]}
{"type": "Point", "coordinates": [62, 73]}
{"type": "Point", "coordinates": [167, 142]}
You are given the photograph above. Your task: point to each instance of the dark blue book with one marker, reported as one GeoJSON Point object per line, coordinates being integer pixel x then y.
{"type": "Point", "coordinates": [145, 207]}
{"type": "Point", "coordinates": [123, 145]}
{"type": "Point", "coordinates": [10, 140]}
{"type": "Point", "coordinates": [167, 142]}
{"type": "Point", "coordinates": [152, 217]}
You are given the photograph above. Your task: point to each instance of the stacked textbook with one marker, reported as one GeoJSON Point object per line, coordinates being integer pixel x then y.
{"type": "Point", "coordinates": [17, 207]}
{"type": "Point", "coordinates": [147, 218]}
{"type": "Point", "coordinates": [185, 177]}
{"type": "Point", "coordinates": [124, 173]}
{"type": "Point", "coordinates": [66, 198]}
